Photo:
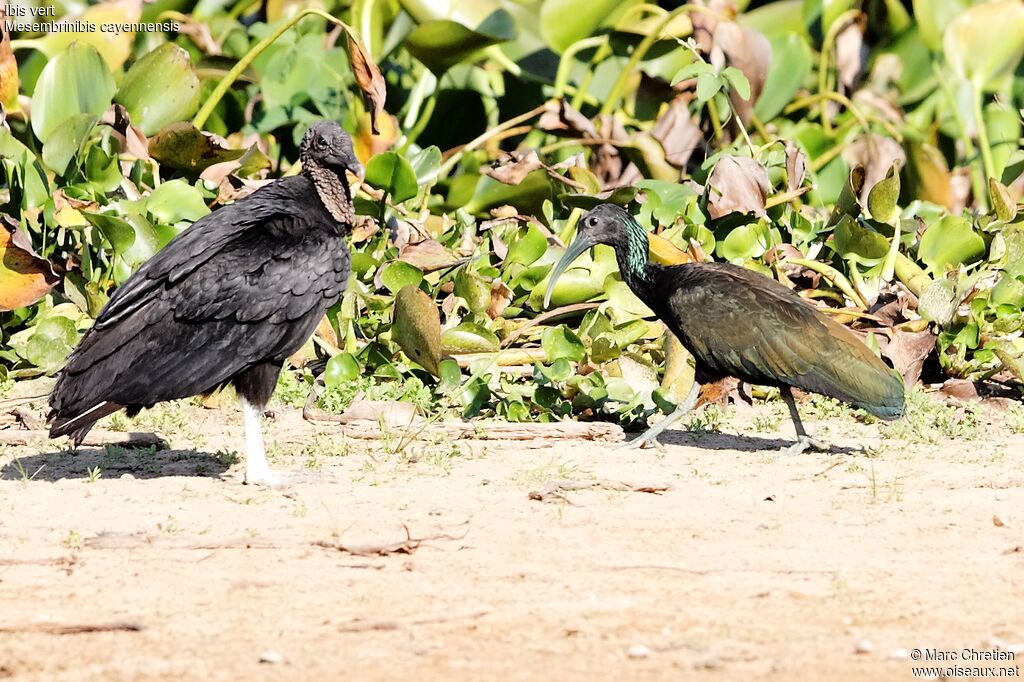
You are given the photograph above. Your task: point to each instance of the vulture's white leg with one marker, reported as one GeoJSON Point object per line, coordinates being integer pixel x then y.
{"type": "Point", "coordinates": [257, 472]}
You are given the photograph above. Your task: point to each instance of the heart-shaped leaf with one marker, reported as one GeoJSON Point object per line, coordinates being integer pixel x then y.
{"type": "Point", "coordinates": [77, 81]}
{"type": "Point", "coordinates": [393, 174]}
{"type": "Point", "coordinates": [950, 241]}
{"type": "Point", "coordinates": [159, 89]}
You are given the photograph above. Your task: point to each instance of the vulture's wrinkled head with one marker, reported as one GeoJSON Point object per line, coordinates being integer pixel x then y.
{"type": "Point", "coordinates": [328, 146]}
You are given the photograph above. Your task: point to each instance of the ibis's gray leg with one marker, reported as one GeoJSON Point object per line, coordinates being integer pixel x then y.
{"type": "Point", "coordinates": [650, 436]}
{"type": "Point", "coordinates": [257, 471]}
{"type": "Point", "coordinates": [803, 441]}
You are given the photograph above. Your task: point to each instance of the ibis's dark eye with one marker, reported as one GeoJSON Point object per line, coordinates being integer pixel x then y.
{"type": "Point", "coordinates": [591, 222]}
{"type": "Point", "coordinates": [321, 143]}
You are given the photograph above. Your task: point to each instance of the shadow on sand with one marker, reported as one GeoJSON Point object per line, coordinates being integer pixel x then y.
{"type": "Point", "coordinates": [113, 461]}
{"type": "Point", "coordinates": [713, 440]}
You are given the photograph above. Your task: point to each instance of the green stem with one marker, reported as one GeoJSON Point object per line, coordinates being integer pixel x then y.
{"type": "Point", "coordinates": [977, 173]}
{"type": "Point", "coordinates": [366, 26]}
{"type": "Point", "coordinates": [835, 277]}
{"type": "Point", "coordinates": [494, 52]}
{"type": "Point", "coordinates": [986, 150]}
{"type": "Point", "coordinates": [218, 93]}
{"type": "Point", "coordinates": [826, 50]}
{"type": "Point", "coordinates": [715, 123]}
{"type": "Point", "coordinates": [565, 62]}
{"type": "Point", "coordinates": [641, 51]}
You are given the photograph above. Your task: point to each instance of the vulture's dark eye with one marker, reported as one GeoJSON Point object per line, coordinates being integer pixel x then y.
{"type": "Point", "coordinates": [591, 222]}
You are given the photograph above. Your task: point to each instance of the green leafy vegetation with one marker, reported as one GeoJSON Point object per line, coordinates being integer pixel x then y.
{"type": "Point", "coordinates": [868, 158]}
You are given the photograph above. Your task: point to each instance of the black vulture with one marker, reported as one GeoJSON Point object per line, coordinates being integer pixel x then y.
{"type": "Point", "coordinates": [739, 323]}
{"type": "Point", "coordinates": [225, 302]}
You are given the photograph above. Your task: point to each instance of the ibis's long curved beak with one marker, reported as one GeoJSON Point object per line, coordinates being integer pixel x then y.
{"type": "Point", "coordinates": [578, 246]}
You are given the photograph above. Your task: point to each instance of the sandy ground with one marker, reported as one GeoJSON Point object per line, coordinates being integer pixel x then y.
{"type": "Point", "coordinates": [753, 565]}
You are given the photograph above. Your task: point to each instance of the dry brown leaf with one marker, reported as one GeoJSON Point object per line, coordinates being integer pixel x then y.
{"type": "Point", "coordinates": [876, 154]}
{"type": "Point", "coordinates": [738, 184]}
{"type": "Point", "coordinates": [501, 297]}
{"type": "Point", "coordinates": [678, 133]}
{"type": "Point", "coordinates": [960, 389]}
{"type": "Point", "coordinates": [368, 78]}
{"type": "Point", "coordinates": [749, 51]}
{"type": "Point", "coordinates": [908, 351]}
{"type": "Point", "coordinates": [796, 166]}
{"type": "Point", "coordinates": [559, 116]}
{"type": "Point", "coordinates": [428, 255]}
{"type": "Point", "coordinates": [850, 52]}
{"type": "Point", "coordinates": [513, 167]}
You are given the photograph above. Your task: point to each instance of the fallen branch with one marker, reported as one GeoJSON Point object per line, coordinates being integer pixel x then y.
{"type": "Point", "coordinates": [72, 629]}
{"type": "Point", "coordinates": [555, 490]}
{"type": "Point", "coordinates": [406, 546]}
{"type": "Point", "coordinates": [94, 439]}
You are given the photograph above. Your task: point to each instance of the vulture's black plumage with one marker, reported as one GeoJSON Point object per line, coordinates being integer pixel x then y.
{"type": "Point", "coordinates": [225, 302]}
{"type": "Point", "coordinates": [739, 323]}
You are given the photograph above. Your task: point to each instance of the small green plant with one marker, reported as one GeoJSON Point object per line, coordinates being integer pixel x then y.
{"type": "Point", "coordinates": [1015, 418]}
{"type": "Point", "coordinates": [23, 472]}
{"type": "Point", "coordinates": [410, 389]}
{"type": "Point", "coordinates": [768, 423]}
{"type": "Point", "coordinates": [93, 474]}
{"type": "Point", "coordinates": [72, 541]}
{"type": "Point", "coordinates": [291, 390]}
{"type": "Point", "coordinates": [929, 421]}
{"type": "Point", "coordinates": [711, 418]}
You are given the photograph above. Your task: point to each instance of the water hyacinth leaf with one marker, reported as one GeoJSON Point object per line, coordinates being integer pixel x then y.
{"type": "Point", "coordinates": [341, 369]}
{"type": "Point", "coordinates": [1004, 131]}
{"type": "Point", "coordinates": [416, 328]}
{"type": "Point", "coordinates": [391, 173]}
{"type": "Point", "coordinates": [22, 169]}
{"type": "Point", "coordinates": [113, 46]}
{"type": "Point", "coordinates": [742, 243]}
{"type": "Point", "coordinates": [622, 300]}
{"type": "Point", "coordinates": [789, 69]}
{"type": "Point", "coordinates": [176, 200]}
{"type": "Point", "coordinates": [397, 274]}
{"type": "Point", "coordinates": [985, 43]}
{"type": "Point", "coordinates": [469, 337]}
{"type": "Point", "coordinates": [576, 285]}
{"type": "Point", "coordinates": [859, 243]}
{"type": "Point", "coordinates": [76, 81]}
{"type": "Point", "coordinates": [848, 203]}
{"type": "Point", "coordinates": [184, 147]}
{"type": "Point", "coordinates": [950, 242]}
{"type": "Point", "coordinates": [563, 22]}
{"type": "Point", "coordinates": [116, 230]}
{"type": "Point", "coordinates": [159, 89]}
{"type": "Point", "coordinates": [51, 342]}
{"type": "Point", "coordinates": [474, 289]}
{"type": "Point", "coordinates": [1004, 205]}
{"type": "Point", "coordinates": [883, 197]}
{"type": "Point", "coordinates": [425, 164]}
{"type": "Point", "coordinates": [562, 343]}
{"type": "Point", "coordinates": [66, 141]}
{"type": "Point", "coordinates": [527, 249]}
{"type": "Point", "coordinates": [24, 276]}
{"type": "Point", "coordinates": [444, 43]}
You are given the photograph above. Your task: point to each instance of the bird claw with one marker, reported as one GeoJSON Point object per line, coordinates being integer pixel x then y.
{"type": "Point", "coordinates": [804, 443]}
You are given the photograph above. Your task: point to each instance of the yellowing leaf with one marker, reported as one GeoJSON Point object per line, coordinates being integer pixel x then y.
{"type": "Point", "coordinates": [416, 328]}
{"type": "Point", "coordinates": [24, 276]}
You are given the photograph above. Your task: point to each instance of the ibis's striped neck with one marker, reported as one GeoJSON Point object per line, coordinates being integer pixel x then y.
{"type": "Point", "coordinates": [631, 252]}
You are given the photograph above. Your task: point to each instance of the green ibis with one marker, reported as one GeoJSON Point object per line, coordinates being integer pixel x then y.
{"type": "Point", "coordinates": [737, 322]}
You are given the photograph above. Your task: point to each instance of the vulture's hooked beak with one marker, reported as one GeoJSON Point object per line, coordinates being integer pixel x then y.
{"type": "Point", "coordinates": [353, 172]}
{"type": "Point", "coordinates": [578, 246]}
